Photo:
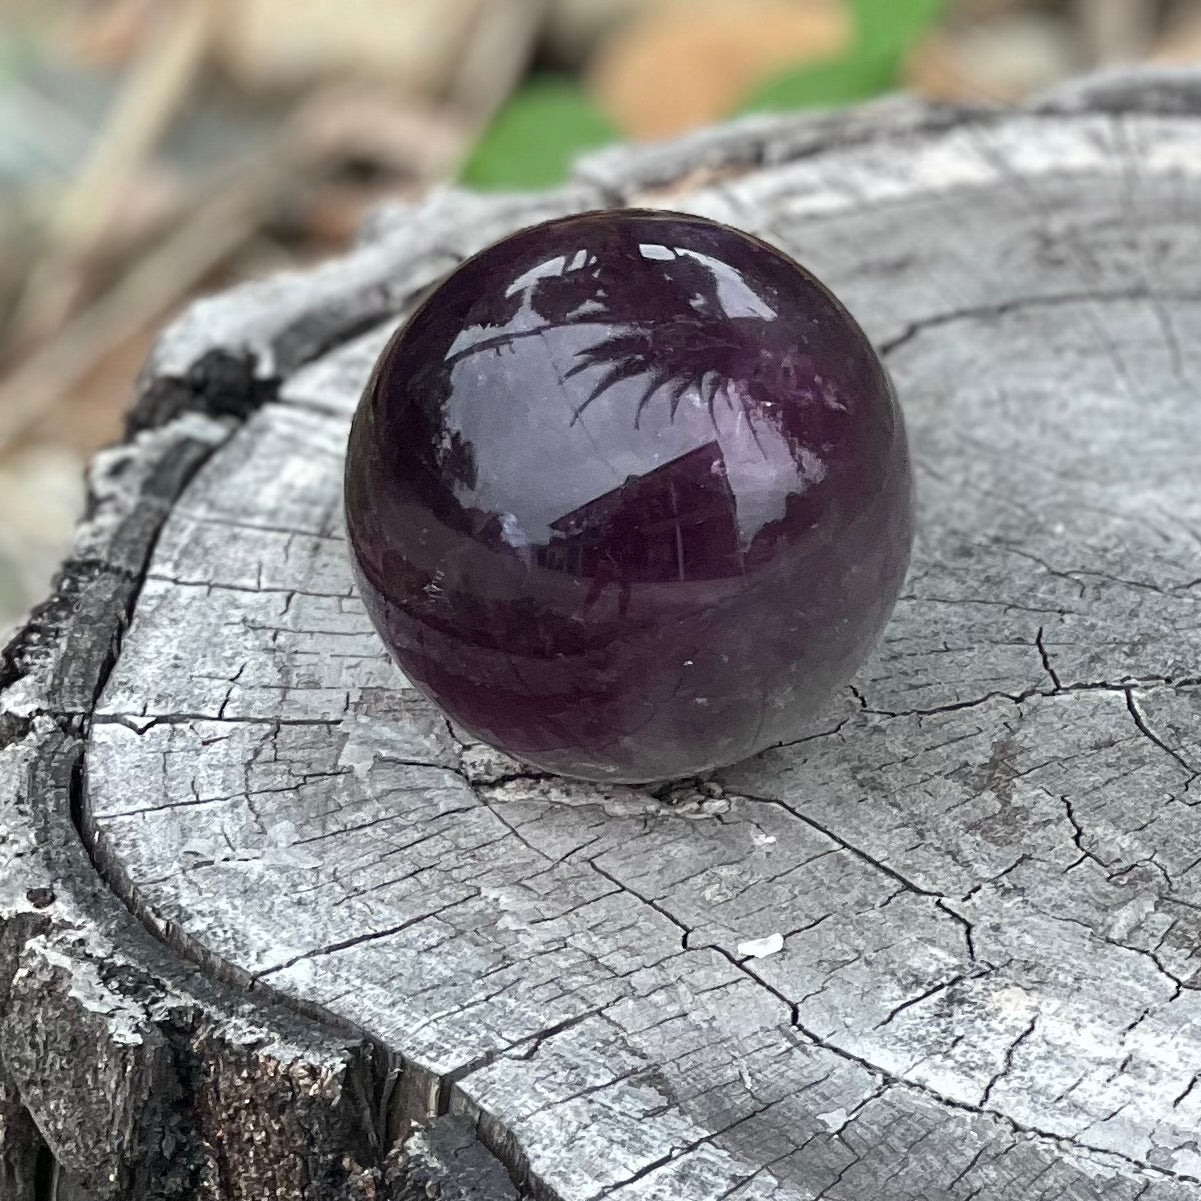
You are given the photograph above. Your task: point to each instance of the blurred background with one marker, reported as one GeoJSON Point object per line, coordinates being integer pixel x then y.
{"type": "Point", "coordinates": [154, 149]}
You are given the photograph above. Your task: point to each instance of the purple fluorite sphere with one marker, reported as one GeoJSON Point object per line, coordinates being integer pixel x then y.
{"type": "Point", "coordinates": [629, 496]}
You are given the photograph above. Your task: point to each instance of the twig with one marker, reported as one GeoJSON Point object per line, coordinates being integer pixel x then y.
{"type": "Point", "coordinates": [495, 56]}
{"type": "Point", "coordinates": [151, 96]}
{"type": "Point", "coordinates": [158, 84]}
{"type": "Point", "coordinates": [1116, 30]}
{"type": "Point", "coordinates": [157, 281]}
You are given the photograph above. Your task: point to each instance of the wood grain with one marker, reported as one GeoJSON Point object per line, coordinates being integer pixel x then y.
{"type": "Point", "coordinates": [983, 859]}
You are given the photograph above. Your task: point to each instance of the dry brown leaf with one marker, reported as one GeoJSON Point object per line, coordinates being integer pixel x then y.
{"type": "Point", "coordinates": [691, 62]}
{"type": "Point", "coordinates": [574, 28]}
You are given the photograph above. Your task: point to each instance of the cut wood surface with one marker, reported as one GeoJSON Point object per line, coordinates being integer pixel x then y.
{"type": "Point", "coordinates": [266, 913]}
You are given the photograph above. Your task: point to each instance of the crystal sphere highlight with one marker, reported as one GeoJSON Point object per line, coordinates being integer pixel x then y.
{"type": "Point", "coordinates": [629, 496]}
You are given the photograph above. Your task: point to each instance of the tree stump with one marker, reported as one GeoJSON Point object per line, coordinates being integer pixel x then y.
{"type": "Point", "coordinates": [272, 928]}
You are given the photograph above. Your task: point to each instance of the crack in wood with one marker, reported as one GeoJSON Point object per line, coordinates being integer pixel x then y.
{"type": "Point", "coordinates": [578, 946]}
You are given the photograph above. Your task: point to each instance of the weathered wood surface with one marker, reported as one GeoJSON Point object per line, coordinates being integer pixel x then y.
{"type": "Point", "coordinates": [985, 860]}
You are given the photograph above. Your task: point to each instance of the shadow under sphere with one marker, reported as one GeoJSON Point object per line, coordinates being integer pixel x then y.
{"type": "Point", "coordinates": [629, 496]}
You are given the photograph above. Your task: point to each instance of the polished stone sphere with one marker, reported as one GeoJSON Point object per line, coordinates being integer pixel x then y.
{"type": "Point", "coordinates": [629, 496]}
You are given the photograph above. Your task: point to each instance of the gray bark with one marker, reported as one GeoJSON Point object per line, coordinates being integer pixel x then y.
{"type": "Point", "coordinates": [264, 911]}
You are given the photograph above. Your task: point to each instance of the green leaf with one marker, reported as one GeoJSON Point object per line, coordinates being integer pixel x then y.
{"type": "Point", "coordinates": [884, 31]}
{"type": "Point", "coordinates": [886, 27]}
{"type": "Point", "coordinates": [819, 85]}
{"type": "Point", "coordinates": [533, 139]}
